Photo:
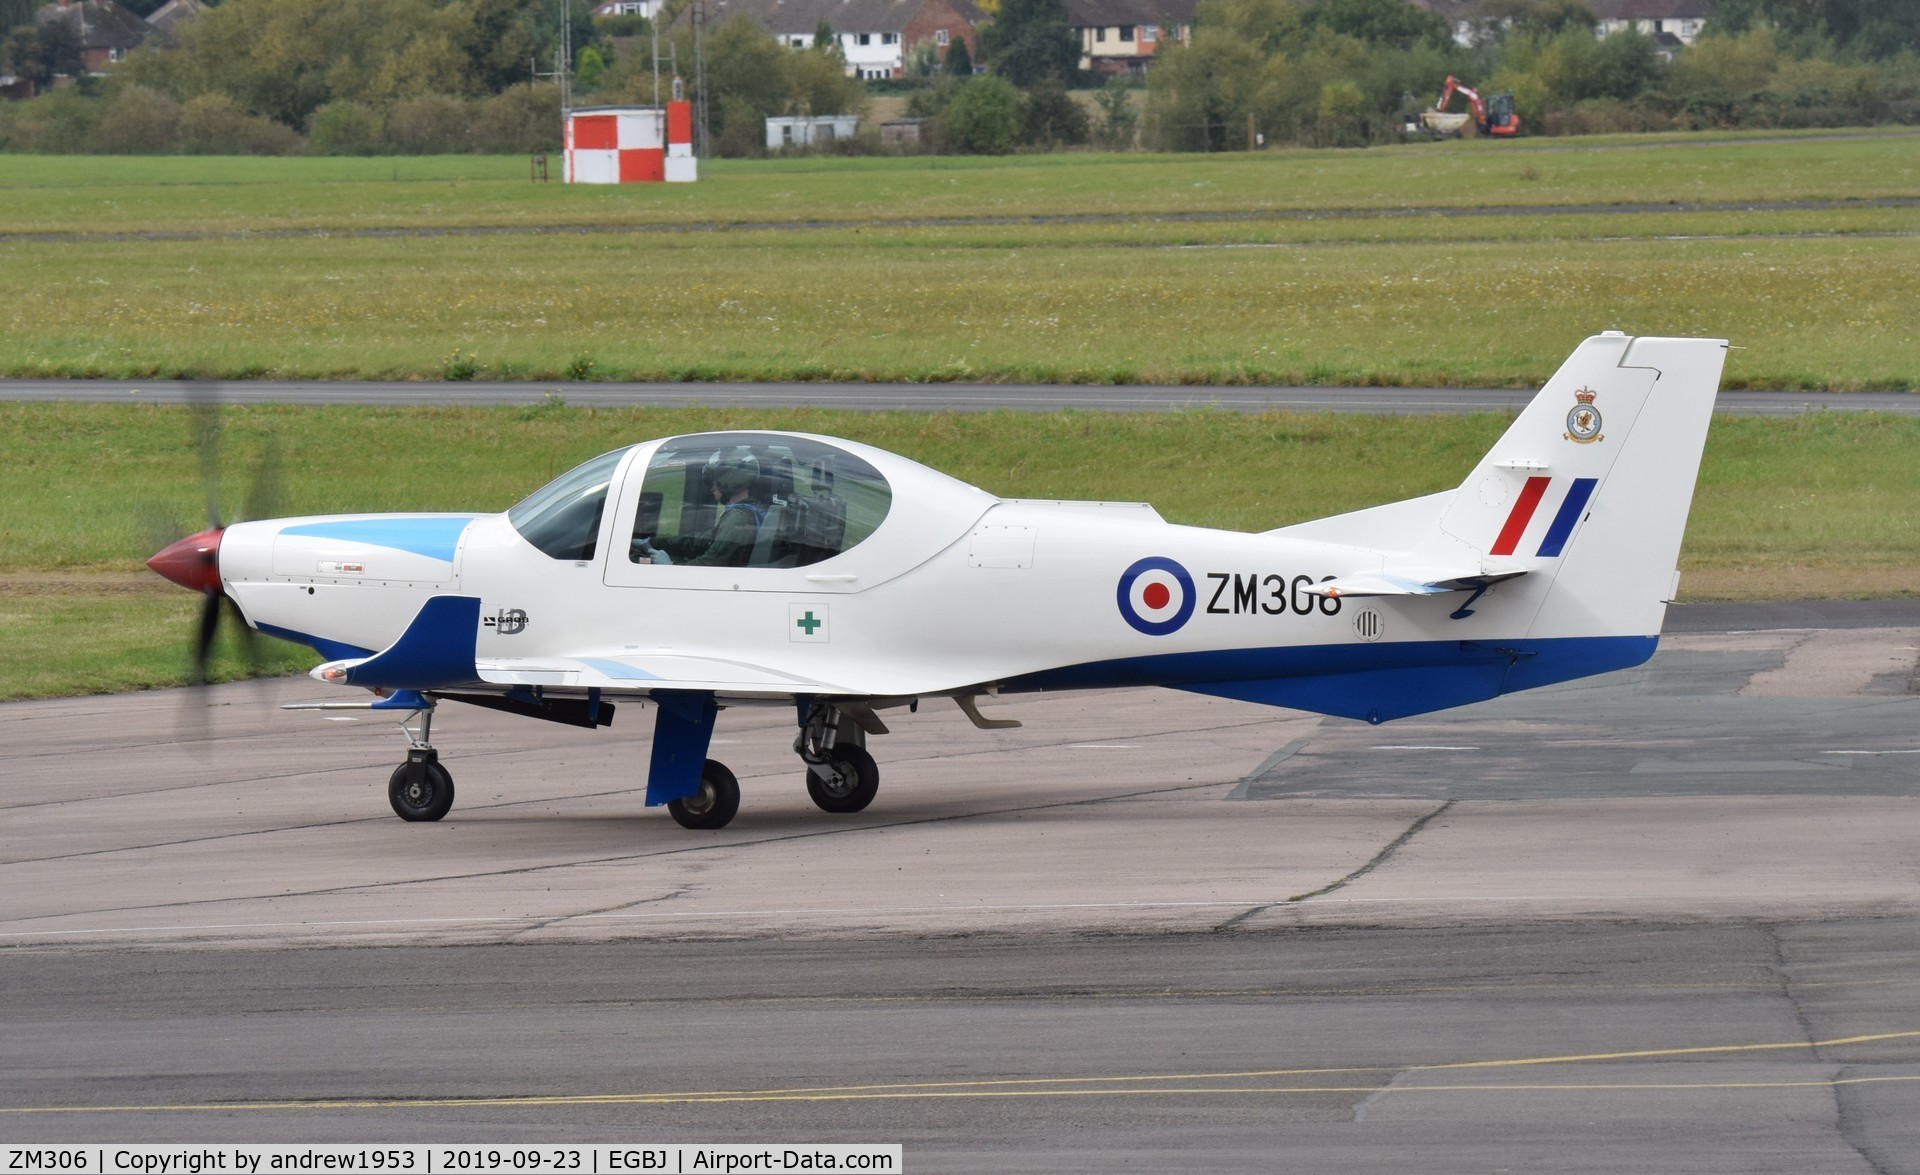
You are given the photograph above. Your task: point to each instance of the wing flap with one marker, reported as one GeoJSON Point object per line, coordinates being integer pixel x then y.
{"type": "Point", "coordinates": [640, 673]}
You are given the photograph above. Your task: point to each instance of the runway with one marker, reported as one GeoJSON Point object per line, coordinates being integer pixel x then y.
{"type": "Point", "coordinates": [882, 397]}
{"type": "Point", "coordinates": [1666, 920]}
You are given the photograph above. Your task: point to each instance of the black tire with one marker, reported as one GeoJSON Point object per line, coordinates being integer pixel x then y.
{"type": "Point", "coordinates": [854, 779]}
{"type": "Point", "coordinates": [714, 805]}
{"type": "Point", "coordinates": [429, 800]}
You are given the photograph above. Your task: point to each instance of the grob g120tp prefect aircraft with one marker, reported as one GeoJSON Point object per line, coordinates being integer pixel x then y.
{"type": "Point", "coordinates": [762, 568]}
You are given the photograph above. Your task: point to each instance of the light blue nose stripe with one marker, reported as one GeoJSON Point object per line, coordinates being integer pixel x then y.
{"type": "Point", "coordinates": [436, 538]}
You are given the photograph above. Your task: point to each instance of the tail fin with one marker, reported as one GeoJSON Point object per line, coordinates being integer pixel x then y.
{"type": "Point", "coordinates": [1570, 527]}
{"type": "Point", "coordinates": [1591, 485]}
{"type": "Point", "coordinates": [1585, 497]}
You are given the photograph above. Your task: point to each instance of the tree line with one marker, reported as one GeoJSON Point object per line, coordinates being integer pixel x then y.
{"type": "Point", "coordinates": [1349, 72]}
{"type": "Point", "coordinates": [435, 76]}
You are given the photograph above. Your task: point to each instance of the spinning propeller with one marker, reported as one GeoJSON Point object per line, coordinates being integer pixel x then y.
{"type": "Point", "coordinates": [193, 562]}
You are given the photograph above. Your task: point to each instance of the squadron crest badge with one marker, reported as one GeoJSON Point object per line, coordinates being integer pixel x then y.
{"type": "Point", "coordinates": [1583, 422]}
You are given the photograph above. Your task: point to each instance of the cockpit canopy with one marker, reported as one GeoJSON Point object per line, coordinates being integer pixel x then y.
{"type": "Point", "coordinates": [799, 499]}
{"type": "Point", "coordinates": [562, 518]}
{"type": "Point", "coordinates": [778, 500]}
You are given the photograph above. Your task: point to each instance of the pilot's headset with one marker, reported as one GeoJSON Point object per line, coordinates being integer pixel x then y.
{"type": "Point", "coordinates": [733, 472]}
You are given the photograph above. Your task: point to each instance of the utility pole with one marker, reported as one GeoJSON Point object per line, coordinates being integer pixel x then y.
{"type": "Point", "coordinates": [700, 144]}
{"type": "Point", "coordinates": [564, 67]}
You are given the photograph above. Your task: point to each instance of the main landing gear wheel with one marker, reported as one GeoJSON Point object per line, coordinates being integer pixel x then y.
{"type": "Point", "coordinates": [420, 791]}
{"type": "Point", "coordinates": [846, 782]}
{"type": "Point", "coordinates": [714, 804]}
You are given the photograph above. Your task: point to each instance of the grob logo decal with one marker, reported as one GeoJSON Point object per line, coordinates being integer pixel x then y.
{"type": "Point", "coordinates": [1156, 596]}
{"type": "Point", "coordinates": [507, 621]}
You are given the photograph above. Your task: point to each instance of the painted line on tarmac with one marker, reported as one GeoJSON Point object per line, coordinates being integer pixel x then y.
{"type": "Point", "coordinates": [1123, 1085]}
{"type": "Point", "coordinates": [970, 1095]}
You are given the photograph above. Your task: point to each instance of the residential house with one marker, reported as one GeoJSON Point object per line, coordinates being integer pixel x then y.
{"type": "Point", "coordinates": [644, 8]}
{"type": "Point", "coordinates": [1121, 36]}
{"type": "Point", "coordinates": [167, 18]}
{"type": "Point", "coordinates": [107, 31]}
{"type": "Point", "coordinates": [875, 36]}
{"type": "Point", "coordinates": [1672, 23]}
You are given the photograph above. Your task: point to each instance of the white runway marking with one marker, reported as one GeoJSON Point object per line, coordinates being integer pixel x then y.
{"type": "Point", "coordinates": [1413, 747]}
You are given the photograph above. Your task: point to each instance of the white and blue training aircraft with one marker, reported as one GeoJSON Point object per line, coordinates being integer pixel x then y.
{"type": "Point", "coordinates": [733, 568]}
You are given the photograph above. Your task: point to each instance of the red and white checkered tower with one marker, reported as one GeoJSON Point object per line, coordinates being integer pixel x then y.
{"type": "Point", "coordinates": [631, 145]}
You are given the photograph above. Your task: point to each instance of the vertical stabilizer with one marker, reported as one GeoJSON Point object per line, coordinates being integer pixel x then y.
{"type": "Point", "coordinates": [1620, 570]}
{"type": "Point", "coordinates": [1591, 485]}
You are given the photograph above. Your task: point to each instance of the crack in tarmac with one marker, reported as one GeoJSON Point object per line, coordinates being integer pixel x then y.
{"type": "Point", "coordinates": [1848, 1121]}
{"type": "Point", "coordinates": [527, 870]}
{"type": "Point", "coordinates": [1379, 859]}
{"type": "Point", "coordinates": [675, 894]}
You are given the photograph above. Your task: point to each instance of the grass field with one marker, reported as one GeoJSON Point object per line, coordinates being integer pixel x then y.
{"type": "Point", "coordinates": [1306, 279]}
{"type": "Point", "coordinates": [1818, 505]}
{"type": "Point", "coordinates": [1817, 313]}
{"type": "Point", "coordinates": [79, 194]}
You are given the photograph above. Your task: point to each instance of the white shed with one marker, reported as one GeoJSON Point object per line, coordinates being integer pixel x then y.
{"type": "Point", "coordinates": [807, 130]}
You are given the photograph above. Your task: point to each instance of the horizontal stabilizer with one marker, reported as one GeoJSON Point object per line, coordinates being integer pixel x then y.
{"type": "Point", "coordinates": [1410, 581]}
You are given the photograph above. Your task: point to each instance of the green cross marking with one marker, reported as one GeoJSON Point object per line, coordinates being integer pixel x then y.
{"type": "Point", "coordinates": [808, 622]}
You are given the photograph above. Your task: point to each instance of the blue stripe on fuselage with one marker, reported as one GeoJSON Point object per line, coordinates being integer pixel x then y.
{"type": "Point", "coordinates": [1370, 682]}
{"type": "Point", "coordinates": [617, 670]}
{"type": "Point", "coordinates": [436, 538]}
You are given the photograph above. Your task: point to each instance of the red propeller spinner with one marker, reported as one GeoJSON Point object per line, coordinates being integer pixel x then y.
{"type": "Point", "coordinates": [193, 562]}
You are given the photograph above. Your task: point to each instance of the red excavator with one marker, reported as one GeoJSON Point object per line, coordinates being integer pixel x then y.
{"type": "Point", "coordinates": [1493, 117]}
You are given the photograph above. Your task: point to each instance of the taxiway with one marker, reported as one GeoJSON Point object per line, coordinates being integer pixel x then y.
{"type": "Point", "coordinates": [1668, 919]}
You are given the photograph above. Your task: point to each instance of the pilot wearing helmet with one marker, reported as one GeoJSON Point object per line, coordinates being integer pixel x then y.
{"type": "Point", "coordinates": [730, 542]}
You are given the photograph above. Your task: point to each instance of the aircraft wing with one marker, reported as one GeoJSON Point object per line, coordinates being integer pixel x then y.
{"type": "Point", "coordinates": [640, 673]}
{"type": "Point", "coordinates": [436, 652]}
{"type": "Point", "coordinates": [1412, 581]}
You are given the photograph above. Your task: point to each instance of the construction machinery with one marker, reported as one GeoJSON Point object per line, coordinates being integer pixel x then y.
{"type": "Point", "coordinates": [1492, 116]}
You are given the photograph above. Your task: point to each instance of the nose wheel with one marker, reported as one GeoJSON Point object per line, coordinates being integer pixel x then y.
{"type": "Point", "coordinates": [420, 789]}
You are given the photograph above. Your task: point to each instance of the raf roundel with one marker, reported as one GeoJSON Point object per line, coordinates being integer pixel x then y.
{"type": "Point", "coordinates": [1156, 596]}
